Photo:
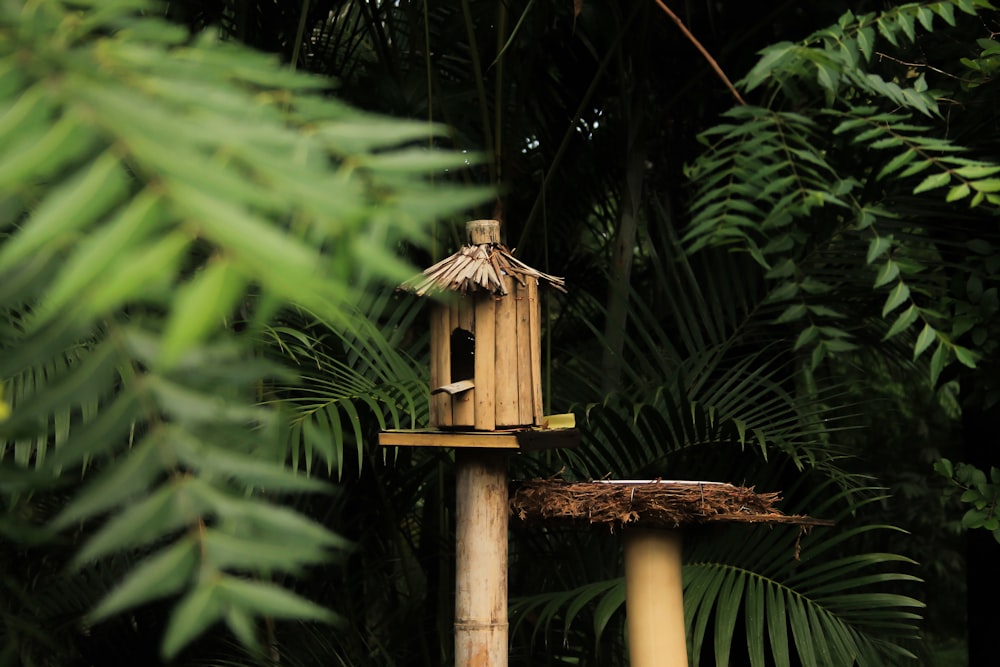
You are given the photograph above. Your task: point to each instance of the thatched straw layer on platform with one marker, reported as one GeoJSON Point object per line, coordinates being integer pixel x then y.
{"type": "Point", "coordinates": [655, 503]}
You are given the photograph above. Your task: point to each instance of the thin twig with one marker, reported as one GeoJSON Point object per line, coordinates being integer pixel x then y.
{"type": "Point", "coordinates": [915, 65]}
{"type": "Point", "coordinates": [701, 49]}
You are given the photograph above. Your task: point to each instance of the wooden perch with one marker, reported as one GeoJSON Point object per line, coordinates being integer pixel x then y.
{"type": "Point", "coordinates": [455, 387]}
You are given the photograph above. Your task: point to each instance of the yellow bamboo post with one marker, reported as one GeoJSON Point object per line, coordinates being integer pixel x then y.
{"type": "Point", "coordinates": [481, 558]}
{"type": "Point", "coordinates": [654, 601]}
{"type": "Point", "coordinates": [651, 515]}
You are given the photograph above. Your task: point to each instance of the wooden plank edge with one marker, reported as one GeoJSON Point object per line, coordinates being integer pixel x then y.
{"type": "Point", "coordinates": [522, 439]}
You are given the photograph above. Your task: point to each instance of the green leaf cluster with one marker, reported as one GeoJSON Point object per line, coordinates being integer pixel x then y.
{"type": "Point", "coordinates": [983, 68]}
{"type": "Point", "coordinates": [835, 60]}
{"type": "Point", "coordinates": [164, 198]}
{"type": "Point", "coordinates": [974, 488]}
{"type": "Point", "coordinates": [350, 383]}
{"type": "Point", "coordinates": [808, 192]}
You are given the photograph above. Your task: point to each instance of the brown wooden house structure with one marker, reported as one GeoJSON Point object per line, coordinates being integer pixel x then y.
{"type": "Point", "coordinates": [485, 335]}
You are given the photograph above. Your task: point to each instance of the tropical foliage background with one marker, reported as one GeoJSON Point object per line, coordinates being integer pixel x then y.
{"type": "Point", "coordinates": [790, 284]}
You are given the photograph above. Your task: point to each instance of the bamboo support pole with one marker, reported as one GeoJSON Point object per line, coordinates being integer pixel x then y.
{"type": "Point", "coordinates": [481, 558]}
{"type": "Point", "coordinates": [650, 515]}
{"type": "Point", "coordinates": [653, 598]}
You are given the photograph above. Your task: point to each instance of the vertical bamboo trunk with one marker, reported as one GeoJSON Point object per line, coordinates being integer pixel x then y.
{"type": "Point", "coordinates": [481, 558]}
{"type": "Point", "coordinates": [653, 598]}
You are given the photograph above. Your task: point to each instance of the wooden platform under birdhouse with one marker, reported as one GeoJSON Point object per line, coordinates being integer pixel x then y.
{"type": "Point", "coordinates": [524, 439]}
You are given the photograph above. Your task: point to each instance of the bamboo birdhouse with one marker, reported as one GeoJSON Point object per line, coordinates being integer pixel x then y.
{"type": "Point", "coordinates": [486, 396]}
{"type": "Point", "coordinates": [485, 370]}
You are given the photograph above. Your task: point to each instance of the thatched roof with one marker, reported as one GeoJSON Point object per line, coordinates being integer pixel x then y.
{"type": "Point", "coordinates": [478, 266]}
{"type": "Point", "coordinates": [650, 503]}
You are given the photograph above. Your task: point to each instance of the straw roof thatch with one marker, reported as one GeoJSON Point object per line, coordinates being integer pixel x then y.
{"type": "Point", "coordinates": [654, 503]}
{"type": "Point", "coordinates": [477, 267]}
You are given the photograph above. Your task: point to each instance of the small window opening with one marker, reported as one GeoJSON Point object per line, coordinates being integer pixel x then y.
{"type": "Point", "coordinates": [463, 355]}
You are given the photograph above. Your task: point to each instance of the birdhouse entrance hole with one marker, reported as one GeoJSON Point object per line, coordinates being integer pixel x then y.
{"type": "Point", "coordinates": [463, 355]}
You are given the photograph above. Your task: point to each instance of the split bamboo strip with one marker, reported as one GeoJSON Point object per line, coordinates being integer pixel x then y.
{"type": "Point", "coordinates": [485, 366]}
{"type": "Point", "coordinates": [440, 366]}
{"type": "Point", "coordinates": [535, 349]}
{"type": "Point", "coordinates": [505, 361]}
{"type": "Point", "coordinates": [525, 382]}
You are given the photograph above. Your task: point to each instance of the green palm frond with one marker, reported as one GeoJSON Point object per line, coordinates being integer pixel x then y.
{"type": "Point", "coordinates": [793, 597]}
{"type": "Point", "coordinates": [803, 586]}
{"type": "Point", "coordinates": [548, 611]}
{"type": "Point", "coordinates": [761, 172]}
{"type": "Point", "coordinates": [350, 383]}
{"type": "Point", "coordinates": [743, 406]}
{"type": "Point", "coordinates": [700, 373]}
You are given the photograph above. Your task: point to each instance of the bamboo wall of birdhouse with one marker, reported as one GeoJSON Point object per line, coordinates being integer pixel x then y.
{"type": "Point", "coordinates": [486, 355]}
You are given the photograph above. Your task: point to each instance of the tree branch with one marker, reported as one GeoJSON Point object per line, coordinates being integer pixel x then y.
{"type": "Point", "coordinates": [701, 49]}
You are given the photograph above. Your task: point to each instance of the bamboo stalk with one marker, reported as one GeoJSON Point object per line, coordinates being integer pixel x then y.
{"type": "Point", "coordinates": [481, 558]}
{"type": "Point", "coordinates": [654, 600]}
